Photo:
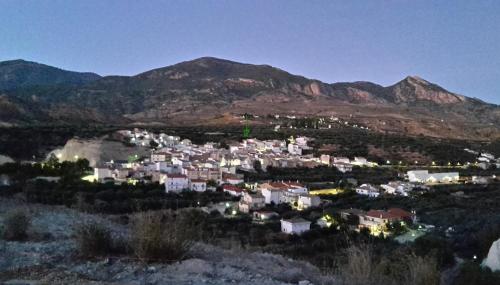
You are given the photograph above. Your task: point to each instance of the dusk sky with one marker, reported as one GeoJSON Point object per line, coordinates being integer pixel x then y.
{"type": "Point", "coordinates": [455, 44]}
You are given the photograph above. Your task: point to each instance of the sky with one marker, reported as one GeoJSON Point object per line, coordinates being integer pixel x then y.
{"type": "Point", "coordinates": [455, 43]}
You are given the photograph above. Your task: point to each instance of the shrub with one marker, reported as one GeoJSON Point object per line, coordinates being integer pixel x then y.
{"type": "Point", "coordinates": [159, 236]}
{"type": "Point", "coordinates": [421, 271]}
{"type": "Point", "coordinates": [93, 240]}
{"type": "Point", "coordinates": [16, 225]}
{"type": "Point", "coordinates": [362, 267]}
{"type": "Point", "coordinates": [359, 266]}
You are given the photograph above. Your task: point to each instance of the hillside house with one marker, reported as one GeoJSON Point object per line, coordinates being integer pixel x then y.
{"type": "Point", "coordinates": [306, 201]}
{"type": "Point", "coordinates": [198, 185]}
{"type": "Point", "coordinates": [295, 226]}
{"type": "Point", "coordinates": [423, 176]}
{"type": "Point", "coordinates": [397, 188]}
{"type": "Point", "coordinates": [232, 190]}
{"type": "Point", "coordinates": [376, 220]}
{"type": "Point", "coordinates": [176, 183]}
{"type": "Point", "coordinates": [264, 215]}
{"type": "Point", "coordinates": [368, 190]}
{"type": "Point", "coordinates": [342, 166]}
{"type": "Point", "coordinates": [250, 202]}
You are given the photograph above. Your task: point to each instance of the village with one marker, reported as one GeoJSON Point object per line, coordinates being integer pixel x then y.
{"type": "Point", "coordinates": [179, 165]}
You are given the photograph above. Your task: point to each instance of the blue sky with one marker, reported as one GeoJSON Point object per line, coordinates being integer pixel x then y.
{"type": "Point", "coordinates": [455, 44]}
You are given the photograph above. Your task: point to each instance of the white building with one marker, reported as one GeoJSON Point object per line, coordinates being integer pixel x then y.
{"type": "Point", "coordinates": [341, 159]}
{"type": "Point", "coordinates": [232, 190]}
{"type": "Point", "coordinates": [176, 183]}
{"type": "Point", "coordinates": [325, 159]}
{"type": "Point", "coordinates": [305, 201]}
{"type": "Point", "coordinates": [294, 149]}
{"type": "Point", "coordinates": [397, 188]}
{"type": "Point", "coordinates": [295, 226]}
{"type": "Point", "coordinates": [198, 185]}
{"type": "Point", "coordinates": [250, 202]}
{"type": "Point", "coordinates": [101, 173]}
{"type": "Point", "coordinates": [360, 161]}
{"type": "Point", "coordinates": [423, 176]}
{"type": "Point", "coordinates": [271, 195]}
{"type": "Point", "coordinates": [342, 166]}
{"type": "Point", "coordinates": [264, 215]}
{"type": "Point", "coordinates": [231, 179]}
{"type": "Point", "coordinates": [159, 156]}
{"type": "Point", "coordinates": [368, 190]}
{"type": "Point", "coordinates": [282, 192]}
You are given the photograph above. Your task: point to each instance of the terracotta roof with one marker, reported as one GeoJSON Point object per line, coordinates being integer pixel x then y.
{"type": "Point", "coordinates": [229, 187]}
{"type": "Point", "coordinates": [391, 214]}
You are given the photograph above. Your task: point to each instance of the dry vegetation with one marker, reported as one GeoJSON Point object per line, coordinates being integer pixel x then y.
{"type": "Point", "coordinates": [363, 268]}
{"type": "Point", "coordinates": [93, 240]}
{"type": "Point", "coordinates": [159, 236]}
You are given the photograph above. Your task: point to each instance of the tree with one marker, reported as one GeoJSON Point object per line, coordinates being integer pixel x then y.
{"type": "Point", "coordinates": [257, 165]}
{"type": "Point", "coordinates": [153, 144]}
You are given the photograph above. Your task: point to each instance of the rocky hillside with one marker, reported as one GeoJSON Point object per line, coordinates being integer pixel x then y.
{"type": "Point", "coordinates": [50, 256]}
{"type": "Point", "coordinates": [98, 150]}
{"type": "Point", "coordinates": [215, 91]}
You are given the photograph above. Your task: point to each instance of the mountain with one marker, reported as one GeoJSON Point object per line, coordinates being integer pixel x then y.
{"type": "Point", "coordinates": [216, 91]}
{"type": "Point", "coordinates": [20, 73]}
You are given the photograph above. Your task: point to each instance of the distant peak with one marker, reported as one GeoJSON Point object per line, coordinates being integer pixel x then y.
{"type": "Point", "coordinates": [210, 59]}
{"type": "Point", "coordinates": [416, 79]}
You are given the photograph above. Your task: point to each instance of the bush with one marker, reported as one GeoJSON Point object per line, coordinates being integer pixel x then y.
{"type": "Point", "coordinates": [358, 270]}
{"type": "Point", "coordinates": [93, 240]}
{"type": "Point", "coordinates": [16, 225]}
{"type": "Point", "coordinates": [421, 271]}
{"type": "Point", "coordinates": [159, 236]}
{"type": "Point", "coordinates": [364, 268]}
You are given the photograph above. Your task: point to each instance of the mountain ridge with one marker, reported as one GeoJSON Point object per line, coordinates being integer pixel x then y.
{"type": "Point", "coordinates": [19, 73]}
{"type": "Point", "coordinates": [204, 90]}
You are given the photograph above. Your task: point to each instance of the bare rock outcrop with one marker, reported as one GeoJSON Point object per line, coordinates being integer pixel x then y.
{"type": "Point", "coordinates": [98, 150]}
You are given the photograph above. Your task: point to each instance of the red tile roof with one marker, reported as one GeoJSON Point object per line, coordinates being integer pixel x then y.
{"type": "Point", "coordinates": [233, 188]}
{"type": "Point", "coordinates": [391, 214]}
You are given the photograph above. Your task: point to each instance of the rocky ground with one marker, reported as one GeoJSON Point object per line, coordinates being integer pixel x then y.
{"type": "Point", "coordinates": [50, 257]}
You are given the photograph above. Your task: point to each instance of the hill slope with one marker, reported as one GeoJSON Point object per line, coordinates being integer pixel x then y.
{"type": "Point", "coordinates": [21, 73]}
{"type": "Point", "coordinates": [215, 91]}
